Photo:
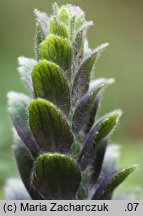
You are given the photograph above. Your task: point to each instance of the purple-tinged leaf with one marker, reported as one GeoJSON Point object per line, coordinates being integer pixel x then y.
{"type": "Point", "coordinates": [56, 177]}
{"type": "Point", "coordinates": [18, 109]}
{"type": "Point", "coordinates": [100, 131]}
{"type": "Point", "coordinates": [25, 70]}
{"type": "Point", "coordinates": [91, 117]}
{"type": "Point", "coordinates": [49, 127]}
{"type": "Point", "coordinates": [25, 164]}
{"type": "Point", "coordinates": [112, 181]}
{"type": "Point", "coordinates": [92, 114]}
{"type": "Point", "coordinates": [82, 78]}
{"type": "Point", "coordinates": [24, 160]}
{"type": "Point", "coordinates": [87, 108]}
{"type": "Point", "coordinates": [110, 163]}
{"type": "Point", "coordinates": [78, 44]}
{"type": "Point", "coordinates": [97, 82]}
{"type": "Point", "coordinates": [97, 162]}
{"type": "Point", "coordinates": [76, 11]}
{"type": "Point", "coordinates": [43, 22]}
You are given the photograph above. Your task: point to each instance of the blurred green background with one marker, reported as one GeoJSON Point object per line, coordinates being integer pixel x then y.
{"type": "Point", "coordinates": [118, 22]}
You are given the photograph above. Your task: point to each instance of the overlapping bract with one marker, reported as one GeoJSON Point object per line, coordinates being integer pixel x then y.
{"type": "Point", "coordinates": [59, 147]}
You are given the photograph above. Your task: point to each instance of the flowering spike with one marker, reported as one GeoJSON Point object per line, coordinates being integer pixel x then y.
{"type": "Point", "coordinates": [61, 147]}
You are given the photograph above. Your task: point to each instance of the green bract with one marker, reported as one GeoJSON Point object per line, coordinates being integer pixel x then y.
{"type": "Point", "coordinates": [59, 146]}
{"type": "Point", "coordinates": [61, 176]}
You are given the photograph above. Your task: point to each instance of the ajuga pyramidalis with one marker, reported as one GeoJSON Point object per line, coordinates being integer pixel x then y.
{"type": "Point", "coordinates": [59, 145]}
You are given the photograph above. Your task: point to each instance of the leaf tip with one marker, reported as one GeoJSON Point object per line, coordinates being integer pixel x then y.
{"type": "Point", "coordinates": [115, 115]}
